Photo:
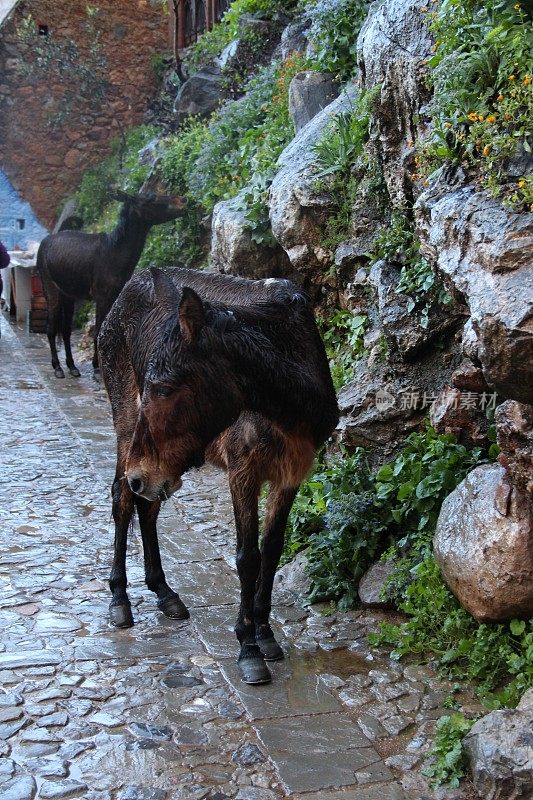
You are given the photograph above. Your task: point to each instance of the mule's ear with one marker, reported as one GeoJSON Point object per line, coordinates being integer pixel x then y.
{"type": "Point", "coordinates": [166, 294]}
{"type": "Point", "coordinates": [191, 315]}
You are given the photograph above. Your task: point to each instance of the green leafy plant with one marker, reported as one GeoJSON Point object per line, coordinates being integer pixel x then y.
{"type": "Point", "coordinates": [343, 334]}
{"type": "Point", "coordinates": [400, 502]}
{"type": "Point", "coordinates": [343, 169]}
{"type": "Point", "coordinates": [333, 34]}
{"type": "Point", "coordinates": [497, 658]}
{"type": "Point", "coordinates": [482, 79]}
{"type": "Point", "coordinates": [236, 149]}
{"type": "Point", "coordinates": [448, 759]}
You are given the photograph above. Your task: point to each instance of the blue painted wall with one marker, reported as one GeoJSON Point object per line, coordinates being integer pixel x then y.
{"type": "Point", "coordinates": [18, 224]}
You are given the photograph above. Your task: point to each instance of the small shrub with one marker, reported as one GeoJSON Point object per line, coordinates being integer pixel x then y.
{"type": "Point", "coordinates": [448, 759]}
{"type": "Point", "coordinates": [335, 25]}
{"type": "Point", "coordinates": [213, 42]}
{"type": "Point", "coordinates": [213, 161]}
{"type": "Point", "coordinates": [343, 335]}
{"type": "Point", "coordinates": [405, 495]}
{"type": "Point", "coordinates": [482, 106]}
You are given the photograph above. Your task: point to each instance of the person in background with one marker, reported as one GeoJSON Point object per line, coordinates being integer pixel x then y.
{"type": "Point", "coordinates": [4, 262]}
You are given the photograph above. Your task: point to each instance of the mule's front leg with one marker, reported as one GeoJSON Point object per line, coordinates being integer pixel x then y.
{"type": "Point", "coordinates": [120, 607]}
{"type": "Point", "coordinates": [169, 602]}
{"type": "Point", "coordinates": [279, 504]}
{"type": "Point", "coordinates": [252, 665]}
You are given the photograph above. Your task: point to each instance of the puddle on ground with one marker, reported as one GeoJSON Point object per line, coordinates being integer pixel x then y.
{"type": "Point", "coordinates": [342, 663]}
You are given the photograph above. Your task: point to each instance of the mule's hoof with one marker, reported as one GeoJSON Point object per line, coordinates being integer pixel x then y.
{"type": "Point", "coordinates": [58, 372]}
{"type": "Point", "coordinates": [120, 615]}
{"type": "Point", "coordinates": [267, 644]}
{"type": "Point", "coordinates": [173, 607]}
{"type": "Point", "coordinates": [74, 371]}
{"type": "Point", "coordinates": [253, 668]}
{"type": "Point", "coordinates": [270, 649]}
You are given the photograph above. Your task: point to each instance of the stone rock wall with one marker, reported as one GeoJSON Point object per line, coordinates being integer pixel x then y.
{"type": "Point", "coordinates": [484, 251]}
{"type": "Point", "coordinates": [44, 164]}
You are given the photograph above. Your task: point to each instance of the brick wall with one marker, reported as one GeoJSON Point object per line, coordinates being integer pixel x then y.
{"type": "Point", "coordinates": [45, 164]}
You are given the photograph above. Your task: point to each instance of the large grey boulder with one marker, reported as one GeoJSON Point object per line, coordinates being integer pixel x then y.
{"type": "Point", "coordinates": [485, 252]}
{"type": "Point", "coordinates": [234, 251]}
{"type": "Point", "coordinates": [297, 209]}
{"type": "Point", "coordinates": [200, 94]}
{"type": "Point", "coordinates": [484, 546]}
{"type": "Point", "coordinates": [500, 749]}
{"type": "Point", "coordinates": [309, 93]}
{"type": "Point", "coordinates": [392, 48]}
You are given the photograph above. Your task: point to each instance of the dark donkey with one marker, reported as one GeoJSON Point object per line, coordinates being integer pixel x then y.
{"type": "Point", "coordinates": [230, 371]}
{"type": "Point", "coordinates": [76, 265]}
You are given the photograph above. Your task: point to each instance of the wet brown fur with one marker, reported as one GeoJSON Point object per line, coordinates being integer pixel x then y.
{"type": "Point", "coordinates": [262, 426]}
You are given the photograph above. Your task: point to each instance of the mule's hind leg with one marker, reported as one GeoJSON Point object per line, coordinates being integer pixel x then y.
{"type": "Point", "coordinates": [169, 602]}
{"type": "Point", "coordinates": [66, 330]}
{"type": "Point", "coordinates": [245, 493]}
{"type": "Point", "coordinates": [120, 607]}
{"type": "Point", "coordinates": [280, 500]}
{"type": "Point", "coordinates": [53, 324]}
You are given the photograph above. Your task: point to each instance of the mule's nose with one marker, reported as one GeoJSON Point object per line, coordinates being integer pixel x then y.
{"type": "Point", "coordinates": [136, 485]}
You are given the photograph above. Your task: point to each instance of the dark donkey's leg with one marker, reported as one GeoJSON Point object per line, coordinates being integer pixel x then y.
{"type": "Point", "coordinates": [280, 500]}
{"type": "Point", "coordinates": [102, 310]}
{"type": "Point", "coordinates": [245, 493]}
{"type": "Point", "coordinates": [120, 607]}
{"type": "Point", "coordinates": [169, 602]}
{"type": "Point", "coordinates": [54, 322]}
{"type": "Point", "coordinates": [66, 330]}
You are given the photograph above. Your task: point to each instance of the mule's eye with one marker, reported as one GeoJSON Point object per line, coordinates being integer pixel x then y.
{"type": "Point", "coordinates": [163, 390]}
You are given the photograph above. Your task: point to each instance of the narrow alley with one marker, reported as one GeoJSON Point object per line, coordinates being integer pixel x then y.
{"type": "Point", "coordinates": [158, 712]}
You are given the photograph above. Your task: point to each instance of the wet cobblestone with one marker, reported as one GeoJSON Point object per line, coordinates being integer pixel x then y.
{"type": "Point", "coordinates": [158, 711]}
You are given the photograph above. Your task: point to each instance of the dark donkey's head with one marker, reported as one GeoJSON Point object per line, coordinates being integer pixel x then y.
{"type": "Point", "coordinates": [150, 208]}
{"type": "Point", "coordinates": [190, 392]}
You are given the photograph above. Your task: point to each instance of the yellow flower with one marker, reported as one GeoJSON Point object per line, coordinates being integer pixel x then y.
{"type": "Point", "coordinates": [472, 116]}
{"type": "Point", "coordinates": [447, 124]}
{"type": "Point", "coordinates": [481, 117]}
{"type": "Point", "coordinates": [486, 150]}
{"type": "Point", "coordinates": [521, 184]}
{"type": "Point", "coordinates": [511, 77]}
{"type": "Point", "coordinates": [500, 98]}
{"type": "Point", "coordinates": [491, 118]}
{"type": "Point", "coordinates": [516, 6]}
{"type": "Point", "coordinates": [527, 80]}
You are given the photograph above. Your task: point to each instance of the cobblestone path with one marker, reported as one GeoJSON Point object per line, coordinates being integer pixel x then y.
{"type": "Point", "coordinates": [158, 712]}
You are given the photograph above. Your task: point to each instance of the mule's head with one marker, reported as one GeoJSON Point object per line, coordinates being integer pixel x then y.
{"type": "Point", "coordinates": [151, 208]}
{"type": "Point", "coordinates": [189, 396]}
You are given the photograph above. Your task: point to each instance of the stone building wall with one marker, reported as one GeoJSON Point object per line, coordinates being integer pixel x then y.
{"type": "Point", "coordinates": [45, 164]}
